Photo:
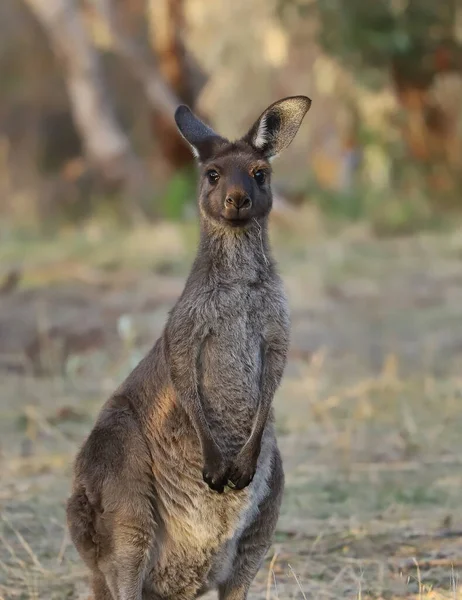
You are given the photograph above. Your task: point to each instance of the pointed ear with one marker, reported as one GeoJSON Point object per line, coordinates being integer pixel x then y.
{"type": "Point", "coordinates": [277, 125]}
{"type": "Point", "coordinates": [199, 136]}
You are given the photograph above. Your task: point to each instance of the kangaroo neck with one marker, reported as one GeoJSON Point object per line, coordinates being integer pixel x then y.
{"type": "Point", "coordinates": [235, 254]}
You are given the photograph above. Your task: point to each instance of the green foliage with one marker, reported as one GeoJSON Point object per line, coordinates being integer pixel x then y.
{"type": "Point", "coordinates": [180, 192]}
{"type": "Point", "coordinates": [371, 36]}
{"type": "Point", "coordinates": [389, 213]}
{"type": "Point", "coordinates": [403, 45]}
{"type": "Point", "coordinates": [349, 206]}
{"type": "Point", "coordinates": [397, 215]}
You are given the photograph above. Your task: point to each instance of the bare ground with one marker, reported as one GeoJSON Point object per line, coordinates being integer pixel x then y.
{"type": "Point", "coordinates": [369, 414]}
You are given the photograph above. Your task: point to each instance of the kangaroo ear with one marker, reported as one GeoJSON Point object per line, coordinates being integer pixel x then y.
{"type": "Point", "coordinates": [277, 125]}
{"type": "Point", "coordinates": [199, 136]}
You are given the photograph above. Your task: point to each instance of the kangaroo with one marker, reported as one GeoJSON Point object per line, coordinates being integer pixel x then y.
{"type": "Point", "coordinates": [178, 487]}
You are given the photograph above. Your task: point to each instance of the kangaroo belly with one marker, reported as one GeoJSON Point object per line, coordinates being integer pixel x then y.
{"type": "Point", "coordinates": [199, 530]}
{"type": "Point", "coordinates": [196, 524]}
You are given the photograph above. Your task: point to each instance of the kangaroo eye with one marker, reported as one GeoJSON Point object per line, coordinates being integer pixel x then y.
{"type": "Point", "coordinates": [213, 176]}
{"type": "Point", "coordinates": [259, 176]}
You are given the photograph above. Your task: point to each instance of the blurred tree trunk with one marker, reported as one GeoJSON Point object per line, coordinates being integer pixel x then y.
{"type": "Point", "coordinates": [177, 66]}
{"type": "Point", "coordinates": [106, 145]}
{"type": "Point", "coordinates": [158, 93]}
{"type": "Point", "coordinates": [164, 69]}
{"type": "Point", "coordinates": [168, 75]}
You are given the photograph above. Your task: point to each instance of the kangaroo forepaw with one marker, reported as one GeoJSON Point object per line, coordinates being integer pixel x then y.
{"type": "Point", "coordinates": [215, 473]}
{"type": "Point", "coordinates": [242, 473]}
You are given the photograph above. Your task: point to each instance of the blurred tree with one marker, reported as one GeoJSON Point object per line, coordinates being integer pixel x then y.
{"type": "Point", "coordinates": [410, 44]}
{"type": "Point", "coordinates": [106, 144]}
{"type": "Point", "coordinates": [163, 67]}
{"type": "Point", "coordinates": [157, 59]}
{"type": "Point", "coordinates": [178, 68]}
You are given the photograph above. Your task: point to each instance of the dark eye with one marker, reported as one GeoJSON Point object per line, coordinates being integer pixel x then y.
{"type": "Point", "coordinates": [213, 176]}
{"type": "Point", "coordinates": [259, 176]}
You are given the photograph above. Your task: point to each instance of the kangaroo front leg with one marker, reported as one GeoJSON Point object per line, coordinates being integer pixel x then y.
{"type": "Point", "coordinates": [184, 358]}
{"type": "Point", "coordinates": [244, 466]}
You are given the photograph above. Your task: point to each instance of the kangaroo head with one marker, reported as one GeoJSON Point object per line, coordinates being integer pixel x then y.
{"type": "Point", "coordinates": [235, 177]}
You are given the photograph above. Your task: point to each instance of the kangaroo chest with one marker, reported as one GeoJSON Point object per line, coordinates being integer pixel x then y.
{"type": "Point", "coordinates": [231, 361]}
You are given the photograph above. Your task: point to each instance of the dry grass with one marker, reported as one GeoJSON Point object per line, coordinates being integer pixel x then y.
{"type": "Point", "coordinates": [369, 423]}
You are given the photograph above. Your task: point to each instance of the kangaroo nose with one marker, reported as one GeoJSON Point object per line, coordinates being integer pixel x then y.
{"type": "Point", "coordinates": [238, 201]}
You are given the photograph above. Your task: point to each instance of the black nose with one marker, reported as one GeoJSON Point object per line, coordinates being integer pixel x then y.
{"type": "Point", "coordinates": [238, 201]}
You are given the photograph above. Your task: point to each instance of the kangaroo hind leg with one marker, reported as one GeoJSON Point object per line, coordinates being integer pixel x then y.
{"type": "Point", "coordinates": [111, 512]}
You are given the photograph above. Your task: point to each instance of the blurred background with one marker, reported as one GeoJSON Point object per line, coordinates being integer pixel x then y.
{"type": "Point", "coordinates": [98, 228]}
{"type": "Point", "coordinates": [88, 90]}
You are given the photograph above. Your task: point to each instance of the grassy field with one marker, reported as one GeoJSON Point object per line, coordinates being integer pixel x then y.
{"type": "Point", "coordinates": [369, 414]}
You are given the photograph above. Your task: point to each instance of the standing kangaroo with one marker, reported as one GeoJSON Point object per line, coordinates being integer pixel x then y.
{"type": "Point", "coordinates": [147, 512]}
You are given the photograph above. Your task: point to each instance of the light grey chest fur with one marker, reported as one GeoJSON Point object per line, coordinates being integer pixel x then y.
{"type": "Point", "coordinates": [231, 357]}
